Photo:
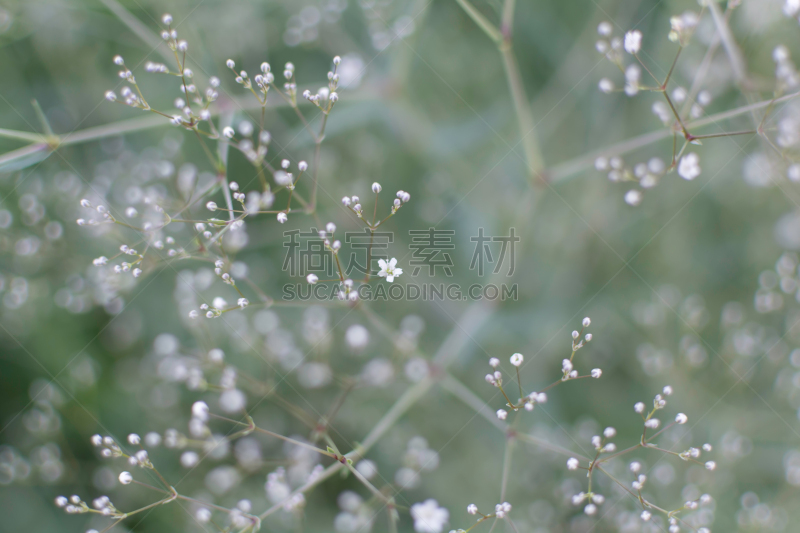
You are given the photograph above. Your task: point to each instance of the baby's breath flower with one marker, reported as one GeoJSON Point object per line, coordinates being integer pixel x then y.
{"type": "Point", "coordinates": [517, 359]}
{"type": "Point", "coordinates": [633, 42]}
{"type": "Point", "coordinates": [125, 478]}
{"type": "Point", "coordinates": [689, 166]}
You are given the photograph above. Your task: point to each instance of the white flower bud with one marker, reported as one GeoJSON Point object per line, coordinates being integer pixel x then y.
{"type": "Point", "coordinates": [125, 478]}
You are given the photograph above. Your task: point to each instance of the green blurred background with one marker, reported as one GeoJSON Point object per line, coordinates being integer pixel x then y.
{"type": "Point", "coordinates": [669, 284]}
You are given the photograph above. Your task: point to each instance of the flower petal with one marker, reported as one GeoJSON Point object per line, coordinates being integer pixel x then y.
{"type": "Point", "coordinates": [393, 262]}
{"type": "Point", "coordinates": [390, 278]}
{"type": "Point", "coordinates": [382, 264]}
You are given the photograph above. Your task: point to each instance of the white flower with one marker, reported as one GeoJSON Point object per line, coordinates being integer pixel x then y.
{"type": "Point", "coordinates": [429, 517]}
{"type": "Point", "coordinates": [639, 407]}
{"type": "Point", "coordinates": [282, 218]}
{"type": "Point", "coordinates": [516, 359]}
{"type": "Point", "coordinates": [389, 270]}
{"type": "Point", "coordinates": [633, 41]}
{"type": "Point", "coordinates": [681, 418]}
{"type": "Point", "coordinates": [586, 322]}
{"type": "Point", "coordinates": [376, 187]}
{"type": "Point", "coordinates": [572, 463]}
{"type": "Point", "coordinates": [596, 373]}
{"type": "Point", "coordinates": [200, 410]}
{"type": "Point", "coordinates": [609, 433]}
{"type": "Point", "coordinates": [689, 166]}
{"type": "Point", "coordinates": [211, 206]}
{"type": "Point", "coordinates": [125, 478]}
{"type": "Point", "coordinates": [633, 197]}
{"type": "Point", "coordinates": [590, 509]}
{"type": "Point", "coordinates": [605, 85]}
{"type": "Point", "coordinates": [493, 362]}
{"type": "Point", "coordinates": [645, 515]}
{"type": "Point", "coordinates": [711, 465]}
{"type": "Point", "coordinates": [502, 414]}
{"type": "Point", "coordinates": [312, 278]}
{"type": "Point", "coordinates": [228, 132]}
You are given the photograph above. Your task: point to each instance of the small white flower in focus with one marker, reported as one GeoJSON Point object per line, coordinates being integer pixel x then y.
{"type": "Point", "coordinates": [376, 187]}
{"type": "Point", "coordinates": [472, 508]}
{"type": "Point", "coordinates": [586, 322]}
{"type": "Point", "coordinates": [134, 439]}
{"type": "Point", "coordinates": [125, 478]}
{"type": "Point", "coordinates": [633, 42]}
{"type": "Point", "coordinates": [710, 465]}
{"type": "Point", "coordinates": [282, 218]}
{"type": "Point", "coordinates": [502, 414]}
{"type": "Point", "coordinates": [211, 206]}
{"type": "Point", "coordinates": [230, 63]}
{"type": "Point", "coordinates": [312, 279]}
{"type": "Point", "coordinates": [389, 270]}
{"type": "Point", "coordinates": [596, 373]}
{"type": "Point", "coordinates": [572, 463]}
{"type": "Point", "coordinates": [517, 359]}
{"type": "Point", "coordinates": [609, 433]}
{"type": "Point", "coordinates": [228, 132]}
{"type": "Point", "coordinates": [681, 418]}
{"type": "Point", "coordinates": [689, 166]}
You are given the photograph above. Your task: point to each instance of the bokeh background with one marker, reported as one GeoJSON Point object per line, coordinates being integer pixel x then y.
{"type": "Point", "coordinates": [682, 289]}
